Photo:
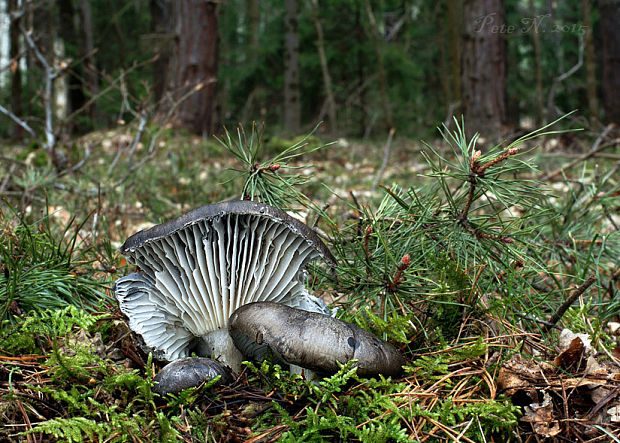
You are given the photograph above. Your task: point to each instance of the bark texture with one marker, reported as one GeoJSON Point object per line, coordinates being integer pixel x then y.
{"type": "Point", "coordinates": [610, 36]}
{"type": "Point", "coordinates": [484, 66]}
{"type": "Point", "coordinates": [193, 68]}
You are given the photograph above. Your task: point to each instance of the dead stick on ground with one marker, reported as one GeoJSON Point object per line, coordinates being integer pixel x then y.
{"type": "Point", "coordinates": [595, 148]}
{"type": "Point", "coordinates": [386, 158]}
{"type": "Point", "coordinates": [555, 318]}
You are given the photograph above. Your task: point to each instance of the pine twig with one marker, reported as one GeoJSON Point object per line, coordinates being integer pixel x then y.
{"type": "Point", "coordinates": [478, 170]}
{"type": "Point", "coordinates": [557, 316]}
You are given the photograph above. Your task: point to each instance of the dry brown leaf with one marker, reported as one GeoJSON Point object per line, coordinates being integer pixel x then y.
{"type": "Point", "coordinates": [517, 373]}
{"type": "Point", "coordinates": [571, 355]}
{"type": "Point", "coordinates": [540, 415]}
{"type": "Point", "coordinates": [567, 336]}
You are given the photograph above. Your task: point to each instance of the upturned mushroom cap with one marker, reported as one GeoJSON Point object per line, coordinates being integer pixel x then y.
{"type": "Point", "coordinates": [311, 340]}
{"type": "Point", "coordinates": [197, 269]}
{"type": "Point", "coordinates": [187, 373]}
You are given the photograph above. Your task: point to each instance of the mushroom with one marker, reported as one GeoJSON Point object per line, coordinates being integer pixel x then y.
{"type": "Point", "coordinates": [187, 373]}
{"type": "Point", "coordinates": [311, 340]}
{"type": "Point", "coordinates": [197, 269]}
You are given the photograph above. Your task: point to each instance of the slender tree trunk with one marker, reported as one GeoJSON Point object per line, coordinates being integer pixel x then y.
{"type": "Point", "coordinates": [68, 33]}
{"type": "Point", "coordinates": [590, 60]}
{"type": "Point", "coordinates": [253, 29]}
{"type": "Point", "coordinates": [446, 83]}
{"type": "Point", "coordinates": [374, 39]}
{"type": "Point", "coordinates": [484, 67]}
{"type": "Point", "coordinates": [538, 68]}
{"type": "Point", "coordinates": [610, 24]}
{"type": "Point", "coordinates": [194, 69]}
{"type": "Point", "coordinates": [454, 14]}
{"type": "Point", "coordinates": [292, 105]}
{"type": "Point", "coordinates": [361, 70]}
{"type": "Point", "coordinates": [327, 81]}
{"type": "Point", "coordinates": [88, 53]}
{"type": "Point", "coordinates": [16, 73]}
{"type": "Point", "coordinates": [162, 30]}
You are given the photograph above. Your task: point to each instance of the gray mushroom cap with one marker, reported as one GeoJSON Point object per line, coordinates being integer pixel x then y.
{"type": "Point", "coordinates": [197, 269]}
{"type": "Point", "coordinates": [187, 373]}
{"type": "Point", "coordinates": [311, 340]}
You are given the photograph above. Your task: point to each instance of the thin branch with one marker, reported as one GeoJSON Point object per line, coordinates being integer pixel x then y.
{"type": "Point", "coordinates": [132, 147]}
{"type": "Point", "coordinates": [477, 170]}
{"type": "Point", "coordinates": [386, 158]}
{"type": "Point", "coordinates": [557, 315]}
{"type": "Point", "coordinates": [545, 323]}
{"type": "Point", "coordinates": [82, 162]}
{"type": "Point", "coordinates": [112, 85]}
{"type": "Point", "coordinates": [21, 123]}
{"type": "Point", "coordinates": [395, 29]}
{"type": "Point", "coordinates": [151, 148]}
{"type": "Point", "coordinates": [597, 146]}
{"type": "Point", "coordinates": [6, 178]}
{"type": "Point", "coordinates": [560, 78]}
{"type": "Point", "coordinates": [450, 113]}
{"type": "Point", "coordinates": [50, 76]}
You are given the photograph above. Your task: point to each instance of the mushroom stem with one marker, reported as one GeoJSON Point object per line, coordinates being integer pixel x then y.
{"type": "Point", "coordinates": [219, 345]}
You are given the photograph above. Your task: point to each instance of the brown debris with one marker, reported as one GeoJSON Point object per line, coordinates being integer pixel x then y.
{"type": "Point", "coordinates": [576, 396]}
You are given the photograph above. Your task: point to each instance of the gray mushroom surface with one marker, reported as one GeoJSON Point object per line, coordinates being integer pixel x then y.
{"type": "Point", "coordinates": [311, 340]}
{"type": "Point", "coordinates": [197, 269]}
{"type": "Point", "coordinates": [187, 373]}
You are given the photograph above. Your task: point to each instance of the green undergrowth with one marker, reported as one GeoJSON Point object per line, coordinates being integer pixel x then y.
{"type": "Point", "coordinates": [478, 247]}
{"type": "Point", "coordinates": [88, 397]}
{"type": "Point", "coordinates": [345, 407]}
{"type": "Point", "coordinates": [42, 268]}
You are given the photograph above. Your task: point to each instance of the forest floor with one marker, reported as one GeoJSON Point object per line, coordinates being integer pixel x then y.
{"type": "Point", "coordinates": [494, 374]}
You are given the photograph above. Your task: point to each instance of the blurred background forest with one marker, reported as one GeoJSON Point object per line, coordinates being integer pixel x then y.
{"type": "Point", "coordinates": [73, 66]}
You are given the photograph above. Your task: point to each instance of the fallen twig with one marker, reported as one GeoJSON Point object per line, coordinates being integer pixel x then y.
{"type": "Point", "coordinates": [557, 316]}
{"type": "Point", "coordinates": [597, 146]}
{"type": "Point", "coordinates": [386, 158]}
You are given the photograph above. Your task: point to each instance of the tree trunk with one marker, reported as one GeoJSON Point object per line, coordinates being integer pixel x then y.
{"type": "Point", "coordinates": [16, 74]}
{"type": "Point", "coordinates": [162, 29]}
{"type": "Point", "coordinates": [385, 101]}
{"type": "Point", "coordinates": [484, 67]}
{"type": "Point", "coordinates": [454, 14]}
{"type": "Point", "coordinates": [193, 69]}
{"type": "Point", "coordinates": [590, 59]}
{"type": "Point", "coordinates": [610, 23]}
{"type": "Point", "coordinates": [444, 72]}
{"type": "Point", "coordinates": [88, 53]}
{"type": "Point", "coordinates": [292, 105]}
{"type": "Point", "coordinates": [68, 33]}
{"type": "Point", "coordinates": [361, 71]}
{"type": "Point", "coordinates": [538, 69]}
{"type": "Point", "coordinates": [253, 29]}
{"type": "Point", "coordinates": [327, 81]}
